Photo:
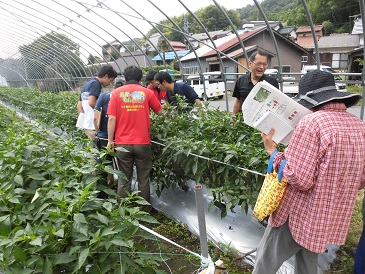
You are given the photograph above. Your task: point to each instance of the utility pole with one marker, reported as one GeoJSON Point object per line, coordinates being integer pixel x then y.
{"type": "Point", "coordinates": [352, 20]}
{"type": "Point", "coordinates": [186, 28]}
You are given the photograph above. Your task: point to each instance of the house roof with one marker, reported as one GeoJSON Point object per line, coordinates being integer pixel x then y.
{"type": "Point", "coordinates": [177, 44]}
{"type": "Point", "coordinates": [214, 34]}
{"type": "Point", "coordinates": [206, 48]}
{"type": "Point", "coordinates": [258, 24]}
{"type": "Point", "coordinates": [357, 50]}
{"type": "Point", "coordinates": [233, 41]}
{"type": "Point", "coordinates": [135, 53]}
{"type": "Point", "coordinates": [286, 30]}
{"type": "Point", "coordinates": [308, 28]}
{"type": "Point", "coordinates": [170, 55]}
{"type": "Point", "coordinates": [137, 59]}
{"type": "Point", "coordinates": [224, 44]}
{"type": "Point", "coordinates": [154, 39]}
{"type": "Point", "coordinates": [336, 41]}
{"type": "Point", "coordinates": [237, 53]}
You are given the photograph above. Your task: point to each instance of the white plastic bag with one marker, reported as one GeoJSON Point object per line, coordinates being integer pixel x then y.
{"type": "Point", "coordinates": [80, 120]}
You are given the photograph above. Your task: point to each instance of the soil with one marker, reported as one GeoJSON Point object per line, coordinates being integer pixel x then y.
{"type": "Point", "coordinates": [181, 261]}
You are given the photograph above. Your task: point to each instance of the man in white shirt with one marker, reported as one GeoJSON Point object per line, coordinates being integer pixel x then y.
{"type": "Point", "coordinates": [89, 94]}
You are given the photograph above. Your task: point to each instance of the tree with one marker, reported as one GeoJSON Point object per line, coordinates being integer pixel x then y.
{"type": "Point", "coordinates": [212, 18]}
{"type": "Point", "coordinates": [52, 56]}
{"type": "Point", "coordinates": [291, 12]}
{"type": "Point", "coordinates": [93, 59]}
{"type": "Point", "coordinates": [53, 59]}
{"type": "Point", "coordinates": [360, 61]}
{"type": "Point", "coordinates": [328, 27]}
{"type": "Point", "coordinates": [163, 46]}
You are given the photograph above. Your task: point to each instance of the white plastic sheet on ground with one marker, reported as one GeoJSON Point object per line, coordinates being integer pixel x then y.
{"type": "Point", "coordinates": [237, 230]}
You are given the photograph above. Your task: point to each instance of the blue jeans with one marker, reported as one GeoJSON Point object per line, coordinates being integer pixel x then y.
{"type": "Point", "coordinates": [141, 156]}
{"type": "Point", "coordinates": [359, 266]}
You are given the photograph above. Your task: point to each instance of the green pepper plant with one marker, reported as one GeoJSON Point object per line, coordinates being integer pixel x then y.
{"type": "Point", "coordinates": [211, 147]}
{"type": "Point", "coordinates": [51, 220]}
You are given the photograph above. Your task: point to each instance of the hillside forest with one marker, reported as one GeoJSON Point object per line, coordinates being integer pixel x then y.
{"type": "Point", "coordinates": [335, 15]}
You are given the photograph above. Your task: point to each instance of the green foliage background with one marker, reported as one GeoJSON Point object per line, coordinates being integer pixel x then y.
{"type": "Point", "coordinates": [291, 13]}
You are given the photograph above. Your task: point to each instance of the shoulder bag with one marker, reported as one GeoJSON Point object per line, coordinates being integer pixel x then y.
{"type": "Point", "coordinates": [271, 192]}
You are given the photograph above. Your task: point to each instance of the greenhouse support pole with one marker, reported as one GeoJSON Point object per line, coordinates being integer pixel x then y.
{"type": "Point", "coordinates": [362, 10]}
{"type": "Point", "coordinates": [199, 200]}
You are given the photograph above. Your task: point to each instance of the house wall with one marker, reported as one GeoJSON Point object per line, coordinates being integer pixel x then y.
{"type": "Point", "coordinates": [326, 58]}
{"type": "Point", "coordinates": [290, 56]}
{"type": "Point", "coordinates": [319, 33]}
{"type": "Point", "coordinates": [242, 60]}
{"type": "Point", "coordinates": [229, 67]}
{"type": "Point", "coordinates": [337, 58]}
{"type": "Point", "coordinates": [235, 68]}
{"type": "Point", "coordinates": [192, 66]}
{"type": "Point", "coordinates": [121, 63]}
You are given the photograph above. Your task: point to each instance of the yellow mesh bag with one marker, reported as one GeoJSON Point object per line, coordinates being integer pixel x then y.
{"type": "Point", "coordinates": [271, 192]}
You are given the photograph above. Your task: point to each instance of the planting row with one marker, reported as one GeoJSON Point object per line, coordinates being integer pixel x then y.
{"type": "Point", "coordinates": [213, 147]}
{"type": "Point", "coordinates": [51, 220]}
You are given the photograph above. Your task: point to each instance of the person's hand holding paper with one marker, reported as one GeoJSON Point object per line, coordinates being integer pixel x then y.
{"type": "Point", "coordinates": [266, 107]}
{"type": "Point", "coordinates": [269, 144]}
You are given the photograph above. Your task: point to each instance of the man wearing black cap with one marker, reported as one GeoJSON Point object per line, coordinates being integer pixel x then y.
{"type": "Point", "coordinates": [325, 168]}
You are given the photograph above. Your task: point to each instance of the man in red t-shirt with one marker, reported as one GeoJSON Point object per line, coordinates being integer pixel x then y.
{"type": "Point", "coordinates": [129, 128]}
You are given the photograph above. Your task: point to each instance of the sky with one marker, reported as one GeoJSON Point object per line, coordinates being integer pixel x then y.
{"type": "Point", "coordinates": [174, 8]}
{"type": "Point", "coordinates": [87, 23]}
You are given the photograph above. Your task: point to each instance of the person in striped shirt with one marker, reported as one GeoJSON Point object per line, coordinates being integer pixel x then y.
{"type": "Point", "coordinates": [325, 168]}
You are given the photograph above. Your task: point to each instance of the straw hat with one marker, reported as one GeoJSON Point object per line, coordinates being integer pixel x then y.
{"type": "Point", "coordinates": [318, 87]}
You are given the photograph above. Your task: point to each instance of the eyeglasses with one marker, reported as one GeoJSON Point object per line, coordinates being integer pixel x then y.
{"type": "Point", "coordinates": [259, 64]}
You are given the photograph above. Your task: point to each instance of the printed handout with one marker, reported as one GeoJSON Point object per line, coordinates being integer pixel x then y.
{"type": "Point", "coordinates": [266, 107]}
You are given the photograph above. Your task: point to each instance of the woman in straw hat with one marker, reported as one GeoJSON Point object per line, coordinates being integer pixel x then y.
{"type": "Point", "coordinates": [325, 168]}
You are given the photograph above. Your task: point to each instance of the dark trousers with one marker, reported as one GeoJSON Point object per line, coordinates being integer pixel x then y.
{"type": "Point", "coordinates": [103, 181]}
{"type": "Point", "coordinates": [359, 264]}
{"type": "Point", "coordinates": [141, 156]}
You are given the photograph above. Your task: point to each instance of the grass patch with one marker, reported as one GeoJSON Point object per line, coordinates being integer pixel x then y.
{"type": "Point", "coordinates": [355, 89]}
